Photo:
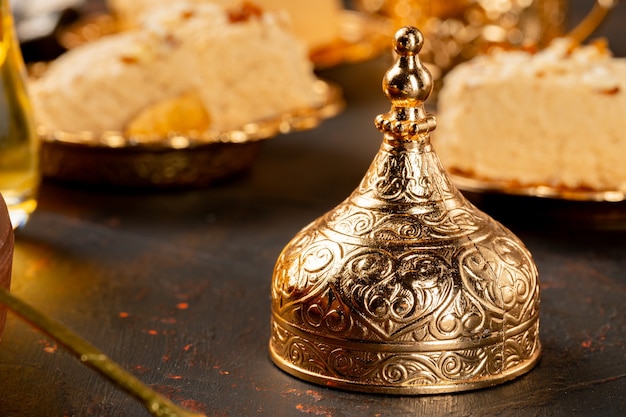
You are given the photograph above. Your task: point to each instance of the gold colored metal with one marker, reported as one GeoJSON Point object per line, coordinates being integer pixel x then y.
{"type": "Point", "coordinates": [155, 403]}
{"type": "Point", "coordinates": [594, 18]}
{"type": "Point", "coordinates": [361, 37]}
{"type": "Point", "coordinates": [178, 160]}
{"type": "Point", "coordinates": [481, 185]}
{"type": "Point", "coordinates": [459, 30]}
{"type": "Point", "coordinates": [405, 287]}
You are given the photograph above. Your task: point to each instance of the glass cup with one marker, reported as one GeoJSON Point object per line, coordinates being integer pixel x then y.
{"type": "Point", "coordinates": [19, 166]}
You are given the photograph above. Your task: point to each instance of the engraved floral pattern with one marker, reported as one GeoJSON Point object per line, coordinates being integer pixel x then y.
{"type": "Point", "coordinates": [405, 287]}
{"type": "Point", "coordinates": [405, 261]}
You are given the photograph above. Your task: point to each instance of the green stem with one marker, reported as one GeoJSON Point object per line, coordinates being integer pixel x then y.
{"type": "Point", "coordinates": [156, 403]}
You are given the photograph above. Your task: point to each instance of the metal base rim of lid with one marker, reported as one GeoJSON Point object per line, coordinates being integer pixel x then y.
{"type": "Point", "coordinates": [349, 385]}
{"type": "Point", "coordinates": [478, 382]}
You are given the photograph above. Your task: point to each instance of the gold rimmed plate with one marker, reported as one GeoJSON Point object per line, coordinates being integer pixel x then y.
{"type": "Point", "coordinates": [545, 207]}
{"type": "Point", "coordinates": [178, 160]}
{"type": "Point", "coordinates": [479, 185]}
{"type": "Point", "coordinates": [361, 37]}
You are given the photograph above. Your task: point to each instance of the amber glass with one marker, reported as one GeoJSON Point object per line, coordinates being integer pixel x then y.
{"type": "Point", "coordinates": [19, 173]}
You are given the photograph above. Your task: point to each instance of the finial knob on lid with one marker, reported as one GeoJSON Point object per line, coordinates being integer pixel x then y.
{"type": "Point", "coordinates": [405, 287]}
{"type": "Point", "coordinates": [407, 84]}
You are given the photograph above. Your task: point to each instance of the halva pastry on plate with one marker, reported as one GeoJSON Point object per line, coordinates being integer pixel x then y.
{"type": "Point", "coordinates": [188, 67]}
{"type": "Point", "coordinates": [316, 22]}
{"type": "Point", "coordinates": [553, 118]}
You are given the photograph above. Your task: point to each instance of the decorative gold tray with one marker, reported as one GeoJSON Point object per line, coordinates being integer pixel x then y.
{"type": "Point", "coordinates": [477, 185]}
{"type": "Point", "coordinates": [361, 37]}
{"type": "Point", "coordinates": [114, 159]}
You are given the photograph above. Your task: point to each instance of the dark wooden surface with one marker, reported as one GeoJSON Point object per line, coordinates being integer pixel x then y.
{"type": "Point", "coordinates": [175, 287]}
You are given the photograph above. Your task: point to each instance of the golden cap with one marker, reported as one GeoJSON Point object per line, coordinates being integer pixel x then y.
{"type": "Point", "coordinates": [405, 287]}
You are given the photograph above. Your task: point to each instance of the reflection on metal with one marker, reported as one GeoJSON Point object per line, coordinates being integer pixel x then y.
{"type": "Point", "coordinates": [458, 30]}
{"type": "Point", "coordinates": [405, 287]}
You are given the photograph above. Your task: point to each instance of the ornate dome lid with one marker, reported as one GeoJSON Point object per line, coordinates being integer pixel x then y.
{"type": "Point", "coordinates": [405, 287]}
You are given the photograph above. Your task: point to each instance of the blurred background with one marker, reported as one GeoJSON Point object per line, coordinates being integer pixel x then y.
{"type": "Point", "coordinates": [40, 23]}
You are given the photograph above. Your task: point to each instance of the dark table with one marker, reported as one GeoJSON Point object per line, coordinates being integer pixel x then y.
{"type": "Point", "coordinates": [174, 285]}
